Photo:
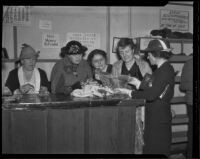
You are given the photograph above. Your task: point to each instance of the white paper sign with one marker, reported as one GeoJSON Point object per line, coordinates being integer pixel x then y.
{"type": "Point", "coordinates": [174, 19]}
{"type": "Point", "coordinates": [16, 15]}
{"type": "Point", "coordinates": [90, 40]}
{"type": "Point", "coordinates": [50, 40]}
{"type": "Point", "coordinates": [45, 24]}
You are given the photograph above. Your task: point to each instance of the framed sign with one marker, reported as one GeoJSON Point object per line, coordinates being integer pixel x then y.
{"type": "Point", "coordinates": [115, 41]}
{"type": "Point", "coordinates": [174, 19]}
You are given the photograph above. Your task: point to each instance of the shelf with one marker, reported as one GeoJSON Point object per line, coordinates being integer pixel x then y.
{"type": "Point", "coordinates": [177, 79]}
{"type": "Point", "coordinates": [178, 100]}
{"type": "Point", "coordinates": [179, 58]}
{"type": "Point", "coordinates": [180, 119]}
{"type": "Point", "coordinates": [181, 40]}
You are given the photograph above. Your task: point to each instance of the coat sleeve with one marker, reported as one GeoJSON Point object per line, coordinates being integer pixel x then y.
{"type": "Point", "coordinates": [157, 88]}
{"type": "Point", "coordinates": [55, 75]}
{"type": "Point", "coordinates": [44, 80]}
{"type": "Point", "coordinates": [12, 81]}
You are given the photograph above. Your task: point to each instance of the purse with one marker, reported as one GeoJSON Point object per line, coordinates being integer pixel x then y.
{"type": "Point", "coordinates": [146, 82]}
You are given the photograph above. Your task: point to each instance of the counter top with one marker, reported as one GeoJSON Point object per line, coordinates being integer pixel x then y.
{"type": "Point", "coordinates": [60, 101]}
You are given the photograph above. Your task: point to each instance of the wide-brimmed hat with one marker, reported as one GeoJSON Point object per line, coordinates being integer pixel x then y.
{"type": "Point", "coordinates": [28, 52]}
{"type": "Point", "coordinates": [158, 45]}
{"type": "Point", "coordinates": [73, 48]}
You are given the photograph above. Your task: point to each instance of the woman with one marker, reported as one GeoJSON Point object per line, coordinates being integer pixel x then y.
{"type": "Point", "coordinates": [98, 62]}
{"type": "Point", "coordinates": [129, 64]}
{"type": "Point", "coordinates": [68, 73]}
{"type": "Point", "coordinates": [27, 79]}
{"type": "Point", "coordinates": [158, 94]}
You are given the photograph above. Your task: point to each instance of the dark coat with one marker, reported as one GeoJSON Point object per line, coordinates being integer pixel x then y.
{"type": "Point", "coordinates": [157, 135]}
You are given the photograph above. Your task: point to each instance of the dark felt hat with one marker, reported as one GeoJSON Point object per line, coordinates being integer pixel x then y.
{"type": "Point", "coordinates": [74, 47]}
{"type": "Point", "coordinates": [158, 45]}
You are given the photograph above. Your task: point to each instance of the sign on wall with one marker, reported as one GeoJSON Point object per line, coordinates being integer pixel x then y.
{"type": "Point", "coordinates": [174, 19]}
{"type": "Point", "coordinates": [45, 24]}
{"type": "Point", "coordinates": [16, 15]}
{"type": "Point", "coordinates": [50, 40]}
{"type": "Point", "coordinates": [90, 40]}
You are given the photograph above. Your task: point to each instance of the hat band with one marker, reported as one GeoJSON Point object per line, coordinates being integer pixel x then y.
{"type": "Point", "coordinates": [164, 46]}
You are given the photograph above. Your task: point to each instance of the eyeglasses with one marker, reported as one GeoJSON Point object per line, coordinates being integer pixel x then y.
{"type": "Point", "coordinates": [98, 61]}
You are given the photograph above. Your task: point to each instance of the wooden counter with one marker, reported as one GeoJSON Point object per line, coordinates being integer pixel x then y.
{"type": "Point", "coordinates": [62, 124]}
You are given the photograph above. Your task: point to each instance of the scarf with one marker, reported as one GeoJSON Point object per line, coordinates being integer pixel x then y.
{"type": "Point", "coordinates": [35, 80]}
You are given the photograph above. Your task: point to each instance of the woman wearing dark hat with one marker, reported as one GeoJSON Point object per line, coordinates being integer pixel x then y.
{"type": "Point", "coordinates": [27, 79]}
{"type": "Point", "coordinates": [68, 73]}
{"type": "Point", "coordinates": [158, 94]}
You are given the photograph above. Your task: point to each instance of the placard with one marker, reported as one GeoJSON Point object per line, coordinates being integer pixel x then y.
{"type": "Point", "coordinates": [16, 15]}
{"type": "Point", "coordinates": [50, 40]}
{"type": "Point", "coordinates": [174, 19]}
{"type": "Point", "coordinates": [90, 40]}
{"type": "Point", "coordinates": [45, 24]}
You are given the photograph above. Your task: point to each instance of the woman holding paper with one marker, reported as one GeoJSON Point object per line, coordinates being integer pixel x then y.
{"type": "Point", "coordinates": [129, 64]}
{"type": "Point", "coordinates": [98, 62]}
{"type": "Point", "coordinates": [158, 91]}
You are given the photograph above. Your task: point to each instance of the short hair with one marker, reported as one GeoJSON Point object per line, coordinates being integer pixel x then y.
{"type": "Point", "coordinates": [96, 52]}
{"type": "Point", "coordinates": [123, 42]}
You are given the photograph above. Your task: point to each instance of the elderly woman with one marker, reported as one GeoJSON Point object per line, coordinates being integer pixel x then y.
{"type": "Point", "coordinates": [158, 90]}
{"type": "Point", "coordinates": [129, 64]}
{"type": "Point", "coordinates": [98, 62]}
{"type": "Point", "coordinates": [68, 73]}
{"type": "Point", "coordinates": [27, 79]}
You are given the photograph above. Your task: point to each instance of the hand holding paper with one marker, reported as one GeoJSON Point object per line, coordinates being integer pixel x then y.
{"type": "Point", "coordinates": [134, 81]}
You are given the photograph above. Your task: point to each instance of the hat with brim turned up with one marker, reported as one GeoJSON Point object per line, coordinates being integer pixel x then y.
{"type": "Point", "coordinates": [158, 45]}
{"type": "Point", "coordinates": [28, 52]}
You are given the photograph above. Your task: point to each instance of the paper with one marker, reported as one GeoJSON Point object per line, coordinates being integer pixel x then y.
{"type": "Point", "coordinates": [174, 19]}
{"type": "Point", "coordinates": [45, 24]}
{"type": "Point", "coordinates": [50, 40]}
{"type": "Point", "coordinates": [16, 15]}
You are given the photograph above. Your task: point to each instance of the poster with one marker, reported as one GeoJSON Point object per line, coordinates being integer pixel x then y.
{"type": "Point", "coordinates": [45, 24]}
{"type": "Point", "coordinates": [90, 40]}
{"type": "Point", "coordinates": [50, 40]}
{"type": "Point", "coordinates": [174, 19]}
{"type": "Point", "coordinates": [16, 15]}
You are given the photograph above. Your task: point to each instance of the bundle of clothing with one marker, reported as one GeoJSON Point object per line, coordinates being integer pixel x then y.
{"type": "Point", "coordinates": [167, 33]}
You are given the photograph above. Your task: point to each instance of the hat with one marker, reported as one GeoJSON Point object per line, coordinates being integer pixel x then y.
{"type": "Point", "coordinates": [73, 48]}
{"type": "Point", "coordinates": [28, 52]}
{"type": "Point", "coordinates": [158, 45]}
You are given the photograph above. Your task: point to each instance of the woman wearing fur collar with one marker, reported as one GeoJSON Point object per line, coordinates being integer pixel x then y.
{"type": "Point", "coordinates": [129, 64]}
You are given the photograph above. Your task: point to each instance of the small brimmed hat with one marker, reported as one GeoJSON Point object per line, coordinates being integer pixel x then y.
{"type": "Point", "coordinates": [28, 52]}
{"type": "Point", "coordinates": [73, 48]}
{"type": "Point", "coordinates": [158, 45]}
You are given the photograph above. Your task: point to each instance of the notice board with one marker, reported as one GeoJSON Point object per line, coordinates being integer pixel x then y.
{"type": "Point", "coordinates": [174, 19]}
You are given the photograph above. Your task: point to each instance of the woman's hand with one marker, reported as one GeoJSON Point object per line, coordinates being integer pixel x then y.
{"type": "Point", "coordinates": [134, 81]}
{"type": "Point", "coordinates": [123, 90]}
{"type": "Point", "coordinates": [26, 88]}
{"type": "Point", "coordinates": [6, 91]}
{"type": "Point", "coordinates": [43, 90]}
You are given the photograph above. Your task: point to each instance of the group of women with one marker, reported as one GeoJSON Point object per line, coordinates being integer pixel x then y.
{"type": "Point", "coordinates": [69, 73]}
